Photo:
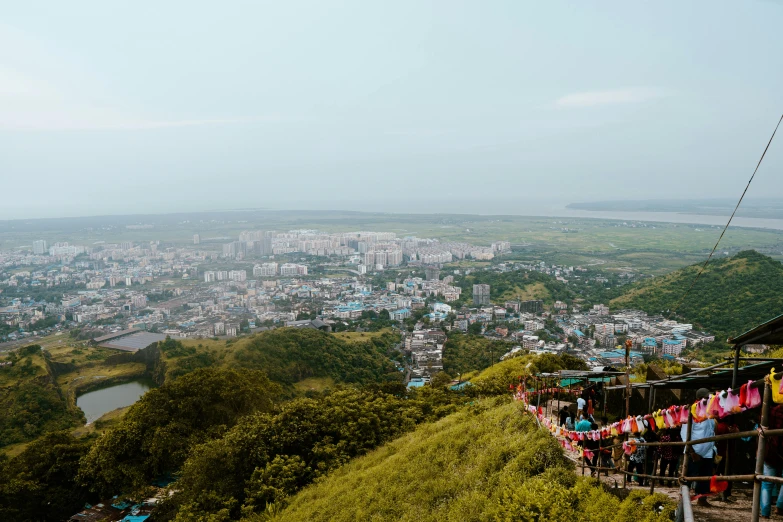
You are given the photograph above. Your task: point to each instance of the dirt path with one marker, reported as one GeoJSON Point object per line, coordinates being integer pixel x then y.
{"type": "Point", "coordinates": [738, 510]}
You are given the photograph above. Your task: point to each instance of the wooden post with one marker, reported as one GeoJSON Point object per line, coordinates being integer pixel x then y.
{"type": "Point", "coordinates": [538, 392]}
{"type": "Point", "coordinates": [760, 452]}
{"type": "Point", "coordinates": [735, 373]}
{"type": "Point", "coordinates": [689, 430]}
{"type": "Point", "coordinates": [559, 378]}
{"type": "Point", "coordinates": [650, 391]}
{"type": "Point", "coordinates": [628, 344]}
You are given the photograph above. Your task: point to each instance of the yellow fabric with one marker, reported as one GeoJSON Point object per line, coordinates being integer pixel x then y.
{"type": "Point", "coordinates": [659, 423]}
{"type": "Point", "coordinates": [775, 383]}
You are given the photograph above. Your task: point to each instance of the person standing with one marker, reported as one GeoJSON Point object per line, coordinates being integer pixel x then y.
{"type": "Point", "coordinates": [669, 460]}
{"type": "Point", "coordinates": [580, 407]}
{"type": "Point", "coordinates": [637, 459]}
{"type": "Point", "coordinates": [773, 464]}
{"type": "Point", "coordinates": [701, 456]}
{"type": "Point", "coordinates": [563, 416]}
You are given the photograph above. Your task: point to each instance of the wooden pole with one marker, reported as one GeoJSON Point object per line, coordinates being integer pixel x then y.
{"type": "Point", "coordinates": [760, 452]}
{"type": "Point", "coordinates": [688, 431]}
{"type": "Point", "coordinates": [650, 391]}
{"type": "Point", "coordinates": [559, 378]}
{"type": "Point", "coordinates": [735, 373]}
{"type": "Point", "coordinates": [628, 344]}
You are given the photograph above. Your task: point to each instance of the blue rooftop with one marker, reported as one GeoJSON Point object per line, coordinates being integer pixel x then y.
{"type": "Point", "coordinates": [416, 383]}
{"type": "Point", "coordinates": [578, 333]}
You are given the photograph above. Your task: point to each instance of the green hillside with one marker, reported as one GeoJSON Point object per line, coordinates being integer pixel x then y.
{"type": "Point", "coordinates": [519, 284]}
{"type": "Point", "coordinates": [487, 462]}
{"type": "Point", "coordinates": [30, 402]}
{"type": "Point", "coordinates": [288, 355]}
{"type": "Point", "coordinates": [732, 295]}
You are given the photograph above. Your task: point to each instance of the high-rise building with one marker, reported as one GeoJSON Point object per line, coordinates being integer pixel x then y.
{"type": "Point", "coordinates": [480, 295]}
{"type": "Point", "coordinates": [196, 239]}
{"type": "Point", "coordinates": [39, 247]}
{"type": "Point", "coordinates": [432, 273]}
{"type": "Point", "coordinates": [533, 306]}
{"type": "Point", "coordinates": [209, 277]}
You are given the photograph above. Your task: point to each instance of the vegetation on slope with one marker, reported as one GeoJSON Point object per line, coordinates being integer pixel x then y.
{"type": "Point", "coordinates": [496, 379]}
{"type": "Point", "coordinates": [521, 284]}
{"type": "Point", "coordinates": [732, 295]}
{"type": "Point", "coordinates": [40, 483]}
{"type": "Point", "coordinates": [30, 402]}
{"type": "Point", "coordinates": [289, 355]}
{"type": "Point", "coordinates": [463, 353]}
{"type": "Point", "coordinates": [489, 462]}
{"type": "Point", "coordinates": [156, 435]}
{"type": "Point", "coordinates": [268, 456]}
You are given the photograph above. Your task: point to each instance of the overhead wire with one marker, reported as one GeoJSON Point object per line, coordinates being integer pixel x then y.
{"type": "Point", "coordinates": [704, 266]}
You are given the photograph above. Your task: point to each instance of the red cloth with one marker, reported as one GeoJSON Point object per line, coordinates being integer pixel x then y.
{"type": "Point", "coordinates": [717, 485]}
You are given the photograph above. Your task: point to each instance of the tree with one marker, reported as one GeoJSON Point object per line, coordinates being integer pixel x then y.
{"type": "Point", "coordinates": [440, 380]}
{"type": "Point", "coordinates": [475, 328]}
{"type": "Point", "coordinates": [40, 483]}
{"type": "Point", "coordinates": [156, 435]}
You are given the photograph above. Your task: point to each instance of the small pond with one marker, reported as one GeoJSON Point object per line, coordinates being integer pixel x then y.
{"type": "Point", "coordinates": [98, 402]}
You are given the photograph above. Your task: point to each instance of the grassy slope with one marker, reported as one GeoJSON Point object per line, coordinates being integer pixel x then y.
{"type": "Point", "coordinates": [733, 295]}
{"type": "Point", "coordinates": [488, 462]}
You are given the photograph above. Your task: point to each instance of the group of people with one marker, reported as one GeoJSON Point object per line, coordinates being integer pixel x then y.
{"type": "Point", "coordinates": [707, 459]}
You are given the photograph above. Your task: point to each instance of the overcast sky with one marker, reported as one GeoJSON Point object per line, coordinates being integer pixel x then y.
{"type": "Point", "coordinates": [152, 106]}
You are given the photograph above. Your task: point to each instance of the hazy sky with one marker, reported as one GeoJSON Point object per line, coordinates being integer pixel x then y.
{"type": "Point", "coordinates": [109, 107]}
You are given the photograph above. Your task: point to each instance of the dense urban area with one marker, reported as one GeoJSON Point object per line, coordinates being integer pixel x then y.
{"type": "Point", "coordinates": [96, 337]}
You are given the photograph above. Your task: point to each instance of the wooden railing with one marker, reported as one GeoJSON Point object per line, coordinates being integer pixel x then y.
{"type": "Point", "coordinates": [684, 505]}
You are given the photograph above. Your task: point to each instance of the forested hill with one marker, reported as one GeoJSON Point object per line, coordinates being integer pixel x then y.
{"type": "Point", "coordinates": [732, 295]}
{"type": "Point", "coordinates": [289, 355]}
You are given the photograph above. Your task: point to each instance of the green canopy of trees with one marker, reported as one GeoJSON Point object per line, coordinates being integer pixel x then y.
{"type": "Point", "coordinates": [289, 355]}
{"type": "Point", "coordinates": [40, 483]}
{"type": "Point", "coordinates": [155, 437]}
{"type": "Point", "coordinates": [464, 353]}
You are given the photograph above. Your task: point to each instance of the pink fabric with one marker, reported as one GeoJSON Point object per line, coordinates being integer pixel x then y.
{"type": "Point", "coordinates": [754, 397]}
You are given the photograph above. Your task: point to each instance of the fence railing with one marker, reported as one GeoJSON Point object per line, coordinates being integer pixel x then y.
{"type": "Point", "coordinates": [684, 511]}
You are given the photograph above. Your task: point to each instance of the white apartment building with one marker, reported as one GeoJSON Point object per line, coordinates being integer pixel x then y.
{"type": "Point", "coordinates": [39, 247]}
{"type": "Point", "coordinates": [238, 275]}
{"type": "Point", "coordinates": [292, 269]}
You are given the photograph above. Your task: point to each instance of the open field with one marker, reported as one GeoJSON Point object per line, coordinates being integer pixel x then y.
{"type": "Point", "coordinates": [608, 244]}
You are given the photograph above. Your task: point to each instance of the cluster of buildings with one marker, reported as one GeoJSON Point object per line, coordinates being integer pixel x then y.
{"type": "Point", "coordinates": [650, 334]}
{"type": "Point", "coordinates": [169, 288]}
{"type": "Point", "coordinates": [425, 350]}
